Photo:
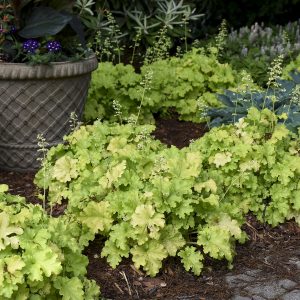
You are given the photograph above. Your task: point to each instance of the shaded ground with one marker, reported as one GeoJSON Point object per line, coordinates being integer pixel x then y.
{"type": "Point", "coordinates": [270, 254]}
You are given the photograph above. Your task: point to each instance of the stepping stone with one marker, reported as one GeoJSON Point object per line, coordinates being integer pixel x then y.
{"type": "Point", "coordinates": [293, 295]}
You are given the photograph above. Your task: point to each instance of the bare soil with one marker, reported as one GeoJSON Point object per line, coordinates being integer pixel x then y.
{"type": "Point", "coordinates": [267, 249]}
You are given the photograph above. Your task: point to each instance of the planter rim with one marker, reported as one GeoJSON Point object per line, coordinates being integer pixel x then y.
{"type": "Point", "coordinates": [23, 71]}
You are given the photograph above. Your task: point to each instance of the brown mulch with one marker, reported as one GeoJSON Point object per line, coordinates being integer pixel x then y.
{"type": "Point", "coordinates": [173, 282]}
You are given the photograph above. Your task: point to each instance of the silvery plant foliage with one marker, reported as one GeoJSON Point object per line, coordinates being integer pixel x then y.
{"type": "Point", "coordinates": [270, 41]}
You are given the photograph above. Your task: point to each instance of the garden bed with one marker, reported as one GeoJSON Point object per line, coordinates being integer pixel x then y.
{"type": "Point", "coordinates": [173, 282]}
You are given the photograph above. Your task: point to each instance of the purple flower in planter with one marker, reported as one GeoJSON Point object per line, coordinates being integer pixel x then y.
{"type": "Point", "coordinates": [31, 45]}
{"type": "Point", "coordinates": [53, 46]}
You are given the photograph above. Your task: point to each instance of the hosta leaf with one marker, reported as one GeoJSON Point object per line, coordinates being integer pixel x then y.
{"type": "Point", "coordinates": [97, 216]}
{"type": "Point", "coordinates": [191, 259]}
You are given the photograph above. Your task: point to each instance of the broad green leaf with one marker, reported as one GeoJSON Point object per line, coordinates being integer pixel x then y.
{"type": "Point", "coordinates": [192, 259]}
{"type": "Point", "coordinates": [3, 188]}
{"type": "Point", "coordinates": [149, 256]}
{"type": "Point", "coordinates": [44, 21]}
{"type": "Point", "coordinates": [69, 288]}
{"type": "Point", "coordinates": [97, 216]}
{"type": "Point", "coordinates": [209, 186]}
{"type": "Point", "coordinates": [8, 234]}
{"type": "Point", "coordinates": [113, 175]}
{"type": "Point", "coordinates": [113, 254]}
{"type": "Point", "coordinates": [216, 242]}
{"type": "Point", "coordinates": [146, 217]}
{"type": "Point", "coordinates": [41, 262]}
{"type": "Point", "coordinates": [65, 169]}
{"type": "Point", "coordinates": [221, 159]}
{"type": "Point", "coordinates": [192, 165]}
{"type": "Point", "coordinates": [14, 263]}
{"type": "Point", "coordinates": [225, 222]}
{"type": "Point", "coordinates": [119, 235]}
{"type": "Point", "coordinates": [171, 239]}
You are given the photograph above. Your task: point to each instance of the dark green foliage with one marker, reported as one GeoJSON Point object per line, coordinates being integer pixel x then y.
{"type": "Point", "coordinates": [243, 12]}
{"type": "Point", "coordinates": [283, 100]}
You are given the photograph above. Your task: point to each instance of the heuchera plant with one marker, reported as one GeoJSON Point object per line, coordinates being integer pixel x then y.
{"type": "Point", "coordinates": [41, 31]}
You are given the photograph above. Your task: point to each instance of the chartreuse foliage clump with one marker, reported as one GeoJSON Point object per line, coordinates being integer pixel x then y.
{"type": "Point", "coordinates": [150, 202]}
{"type": "Point", "coordinates": [187, 83]}
{"type": "Point", "coordinates": [40, 256]}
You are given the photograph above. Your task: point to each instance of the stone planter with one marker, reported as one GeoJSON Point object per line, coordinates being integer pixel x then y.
{"type": "Point", "coordinates": [38, 100]}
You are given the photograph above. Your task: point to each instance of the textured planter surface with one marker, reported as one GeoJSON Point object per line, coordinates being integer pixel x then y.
{"type": "Point", "coordinates": [38, 100]}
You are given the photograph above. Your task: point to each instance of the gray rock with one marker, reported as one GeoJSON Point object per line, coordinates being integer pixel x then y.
{"type": "Point", "coordinates": [253, 273]}
{"type": "Point", "coordinates": [295, 261]}
{"type": "Point", "coordinates": [257, 298]}
{"type": "Point", "coordinates": [293, 295]}
{"type": "Point", "coordinates": [239, 280]}
{"type": "Point", "coordinates": [241, 298]}
{"type": "Point", "coordinates": [287, 284]}
{"type": "Point", "coordinates": [267, 290]}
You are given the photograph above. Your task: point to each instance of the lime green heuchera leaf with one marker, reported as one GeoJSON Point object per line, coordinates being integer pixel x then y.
{"type": "Point", "coordinates": [250, 165]}
{"type": "Point", "coordinates": [193, 166]}
{"type": "Point", "coordinates": [113, 175]}
{"type": "Point", "coordinates": [97, 216]}
{"type": "Point", "coordinates": [212, 199]}
{"type": "Point", "coordinates": [113, 254]}
{"type": "Point", "coordinates": [14, 263]}
{"type": "Point", "coordinates": [278, 134]}
{"type": "Point", "coordinates": [221, 159]}
{"type": "Point", "coordinates": [116, 143]}
{"type": "Point", "coordinates": [171, 239]}
{"type": "Point", "coordinates": [209, 186]}
{"type": "Point", "coordinates": [149, 256]}
{"type": "Point", "coordinates": [75, 263]}
{"type": "Point", "coordinates": [65, 169]}
{"type": "Point", "coordinates": [11, 275]}
{"type": "Point", "coordinates": [217, 239]}
{"type": "Point", "coordinates": [120, 233]}
{"type": "Point", "coordinates": [91, 289]}
{"type": "Point", "coordinates": [3, 188]}
{"type": "Point", "coordinates": [39, 262]}
{"type": "Point", "coordinates": [230, 225]}
{"type": "Point", "coordinates": [191, 259]}
{"type": "Point", "coordinates": [8, 234]}
{"type": "Point", "coordinates": [69, 288]}
{"type": "Point", "coordinates": [296, 200]}
{"type": "Point", "coordinates": [145, 217]}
